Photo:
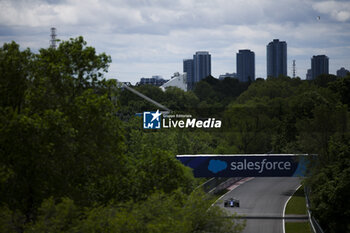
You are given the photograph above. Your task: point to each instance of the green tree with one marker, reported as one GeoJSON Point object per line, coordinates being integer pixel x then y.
{"type": "Point", "coordinates": [342, 87]}
{"type": "Point", "coordinates": [66, 140]}
{"type": "Point", "coordinates": [159, 170]}
{"type": "Point", "coordinates": [160, 212]}
{"type": "Point", "coordinates": [14, 73]}
{"type": "Point", "coordinates": [330, 187]}
{"type": "Point", "coordinates": [249, 127]}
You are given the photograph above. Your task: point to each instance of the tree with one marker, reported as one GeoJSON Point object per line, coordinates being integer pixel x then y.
{"type": "Point", "coordinates": [158, 213]}
{"type": "Point", "coordinates": [324, 79]}
{"type": "Point", "coordinates": [330, 186]}
{"type": "Point", "coordinates": [59, 75]}
{"type": "Point", "coordinates": [204, 91]}
{"type": "Point", "coordinates": [342, 87]}
{"type": "Point", "coordinates": [63, 163]}
{"type": "Point", "coordinates": [66, 139]}
{"type": "Point", "coordinates": [14, 73]}
{"type": "Point", "coordinates": [249, 126]}
{"type": "Point", "coordinates": [158, 170]}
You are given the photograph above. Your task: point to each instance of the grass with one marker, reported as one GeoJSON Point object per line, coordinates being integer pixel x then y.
{"type": "Point", "coordinates": [297, 204]}
{"type": "Point", "coordinates": [298, 227]}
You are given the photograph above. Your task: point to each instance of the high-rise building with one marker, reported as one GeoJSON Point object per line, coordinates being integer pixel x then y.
{"type": "Point", "coordinates": [201, 65]}
{"type": "Point", "coordinates": [342, 72]}
{"type": "Point", "coordinates": [245, 65]}
{"type": "Point", "coordinates": [276, 56]}
{"type": "Point", "coordinates": [308, 74]}
{"type": "Point", "coordinates": [319, 65]}
{"type": "Point", "coordinates": [188, 69]}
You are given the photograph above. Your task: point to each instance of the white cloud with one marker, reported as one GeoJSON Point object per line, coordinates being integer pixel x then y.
{"type": "Point", "coordinates": [339, 11]}
{"type": "Point", "coordinates": [343, 15]}
{"type": "Point", "coordinates": [146, 37]}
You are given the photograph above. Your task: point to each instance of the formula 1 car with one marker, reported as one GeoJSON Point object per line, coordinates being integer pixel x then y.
{"type": "Point", "coordinates": [231, 202]}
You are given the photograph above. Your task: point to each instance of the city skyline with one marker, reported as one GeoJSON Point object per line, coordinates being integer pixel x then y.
{"type": "Point", "coordinates": [146, 38]}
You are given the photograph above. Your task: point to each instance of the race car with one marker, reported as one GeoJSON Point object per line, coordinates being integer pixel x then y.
{"type": "Point", "coordinates": [231, 202]}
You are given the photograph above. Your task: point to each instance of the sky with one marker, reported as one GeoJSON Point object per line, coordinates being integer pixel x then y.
{"type": "Point", "coordinates": [152, 37]}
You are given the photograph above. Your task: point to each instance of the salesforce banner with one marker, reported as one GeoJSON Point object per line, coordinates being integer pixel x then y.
{"type": "Point", "coordinates": [249, 165]}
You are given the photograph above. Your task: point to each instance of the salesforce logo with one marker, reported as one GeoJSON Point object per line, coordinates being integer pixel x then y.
{"type": "Point", "coordinates": [216, 166]}
{"type": "Point", "coordinates": [261, 166]}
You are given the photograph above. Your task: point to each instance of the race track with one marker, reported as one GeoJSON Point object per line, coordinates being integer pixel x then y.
{"type": "Point", "coordinates": [261, 202]}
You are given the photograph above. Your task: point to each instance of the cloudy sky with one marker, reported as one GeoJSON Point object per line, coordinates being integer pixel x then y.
{"type": "Point", "coordinates": [152, 37]}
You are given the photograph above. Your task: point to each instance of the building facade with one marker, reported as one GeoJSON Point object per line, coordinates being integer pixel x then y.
{"type": "Point", "coordinates": [276, 58]}
{"type": "Point", "coordinates": [342, 72]}
{"type": "Point", "coordinates": [154, 81]}
{"type": "Point", "coordinates": [308, 75]}
{"type": "Point", "coordinates": [319, 65]}
{"type": "Point", "coordinates": [188, 69]}
{"type": "Point", "coordinates": [201, 65]}
{"type": "Point", "coordinates": [227, 75]}
{"type": "Point", "coordinates": [177, 80]}
{"type": "Point", "coordinates": [245, 64]}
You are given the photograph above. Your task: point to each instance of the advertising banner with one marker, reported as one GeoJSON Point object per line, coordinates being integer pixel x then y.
{"type": "Point", "coordinates": [246, 165]}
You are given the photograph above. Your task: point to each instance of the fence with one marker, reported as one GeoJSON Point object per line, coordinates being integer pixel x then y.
{"type": "Point", "coordinates": [314, 224]}
{"type": "Point", "coordinates": [217, 184]}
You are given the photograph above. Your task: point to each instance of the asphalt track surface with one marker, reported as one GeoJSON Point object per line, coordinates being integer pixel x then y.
{"type": "Point", "coordinates": [261, 202]}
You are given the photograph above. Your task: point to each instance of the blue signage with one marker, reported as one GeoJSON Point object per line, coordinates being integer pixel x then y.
{"type": "Point", "coordinates": [251, 165]}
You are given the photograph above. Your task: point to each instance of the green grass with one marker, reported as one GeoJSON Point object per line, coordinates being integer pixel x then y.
{"type": "Point", "coordinates": [298, 227]}
{"type": "Point", "coordinates": [297, 204]}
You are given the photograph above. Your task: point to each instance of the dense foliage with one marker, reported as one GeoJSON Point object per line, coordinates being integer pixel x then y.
{"type": "Point", "coordinates": [74, 157]}
{"type": "Point", "coordinates": [277, 115]}
{"type": "Point", "coordinates": [68, 161]}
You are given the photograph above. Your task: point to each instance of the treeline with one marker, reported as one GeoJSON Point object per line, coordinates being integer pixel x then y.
{"type": "Point", "coordinates": [70, 163]}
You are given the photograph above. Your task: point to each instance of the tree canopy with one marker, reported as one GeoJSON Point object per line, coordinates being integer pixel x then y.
{"type": "Point", "coordinates": [71, 162]}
